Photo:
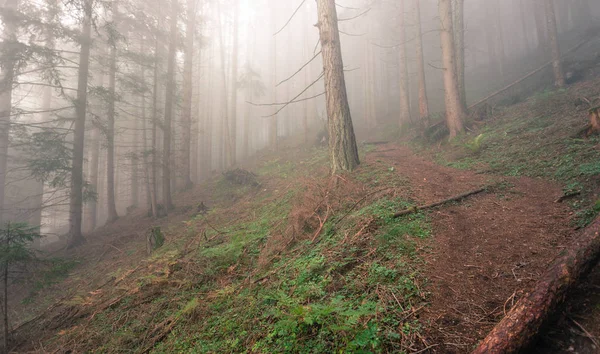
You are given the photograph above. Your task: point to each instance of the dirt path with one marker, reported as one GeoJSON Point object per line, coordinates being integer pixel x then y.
{"type": "Point", "coordinates": [486, 251]}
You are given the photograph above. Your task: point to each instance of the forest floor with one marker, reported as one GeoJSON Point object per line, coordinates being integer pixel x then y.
{"type": "Point", "coordinates": [297, 261]}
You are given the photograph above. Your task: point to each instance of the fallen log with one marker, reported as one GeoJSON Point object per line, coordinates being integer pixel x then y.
{"type": "Point", "coordinates": [520, 326]}
{"type": "Point", "coordinates": [445, 201]}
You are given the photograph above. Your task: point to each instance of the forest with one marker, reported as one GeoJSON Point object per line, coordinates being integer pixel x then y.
{"type": "Point", "coordinates": [300, 176]}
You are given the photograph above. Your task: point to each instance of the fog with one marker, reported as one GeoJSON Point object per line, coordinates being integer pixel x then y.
{"type": "Point", "coordinates": [235, 78]}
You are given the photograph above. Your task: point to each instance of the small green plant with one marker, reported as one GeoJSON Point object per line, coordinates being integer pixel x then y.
{"type": "Point", "coordinates": [474, 146]}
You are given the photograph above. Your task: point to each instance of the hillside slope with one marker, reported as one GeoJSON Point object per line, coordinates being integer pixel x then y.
{"type": "Point", "coordinates": [296, 261]}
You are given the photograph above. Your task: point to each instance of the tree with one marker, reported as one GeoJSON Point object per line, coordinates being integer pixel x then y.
{"type": "Point", "coordinates": [423, 102]}
{"type": "Point", "coordinates": [14, 251]}
{"type": "Point", "coordinates": [559, 76]}
{"type": "Point", "coordinates": [234, 77]}
{"type": "Point", "coordinates": [110, 131]}
{"type": "Point", "coordinates": [188, 91]}
{"type": "Point", "coordinates": [167, 128]}
{"type": "Point", "coordinates": [6, 84]}
{"type": "Point", "coordinates": [459, 37]}
{"type": "Point", "coordinates": [454, 109]}
{"type": "Point", "coordinates": [343, 152]}
{"type": "Point", "coordinates": [76, 196]}
{"type": "Point", "coordinates": [403, 67]}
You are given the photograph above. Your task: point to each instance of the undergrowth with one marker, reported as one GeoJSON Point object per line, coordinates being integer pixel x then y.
{"type": "Point", "coordinates": [354, 286]}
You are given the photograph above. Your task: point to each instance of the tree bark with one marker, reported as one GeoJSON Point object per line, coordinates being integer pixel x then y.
{"type": "Point", "coordinates": [455, 112]}
{"type": "Point", "coordinates": [423, 101]}
{"type": "Point", "coordinates": [521, 325]}
{"type": "Point", "coordinates": [5, 297]}
{"type": "Point", "coordinates": [234, 82]}
{"type": "Point", "coordinates": [272, 128]}
{"type": "Point", "coordinates": [459, 36]}
{"type": "Point", "coordinates": [166, 178]}
{"type": "Point", "coordinates": [403, 69]}
{"type": "Point", "coordinates": [76, 196]}
{"type": "Point", "coordinates": [343, 151]}
{"type": "Point", "coordinates": [559, 77]}
{"type": "Point", "coordinates": [187, 91]}
{"type": "Point", "coordinates": [6, 84]}
{"type": "Point", "coordinates": [523, 16]}
{"type": "Point", "coordinates": [110, 130]}
{"type": "Point", "coordinates": [225, 127]}
{"type": "Point", "coordinates": [540, 24]}
{"type": "Point", "coordinates": [150, 190]}
{"type": "Point", "coordinates": [500, 36]}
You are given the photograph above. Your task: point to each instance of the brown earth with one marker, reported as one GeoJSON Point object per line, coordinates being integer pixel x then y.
{"type": "Point", "coordinates": [487, 250]}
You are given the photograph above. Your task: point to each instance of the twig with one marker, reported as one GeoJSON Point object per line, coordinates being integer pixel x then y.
{"type": "Point", "coordinates": [445, 201]}
{"type": "Point", "coordinates": [299, 70]}
{"type": "Point", "coordinates": [425, 349]}
{"type": "Point", "coordinates": [354, 17]}
{"type": "Point", "coordinates": [588, 334]}
{"type": "Point", "coordinates": [291, 17]}
{"type": "Point", "coordinates": [298, 95]}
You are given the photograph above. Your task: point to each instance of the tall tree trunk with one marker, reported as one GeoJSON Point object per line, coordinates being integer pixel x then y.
{"type": "Point", "coordinates": [559, 77]}
{"type": "Point", "coordinates": [234, 81]}
{"type": "Point", "coordinates": [540, 24]}
{"type": "Point", "coordinates": [343, 152]}
{"type": "Point", "coordinates": [226, 128]}
{"type": "Point", "coordinates": [110, 130]}
{"type": "Point", "coordinates": [454, 109]}
{"type": "Point", "coordinates": [167, 198]}
{"type": "Point", "coordinates": [273, 120]}
{"type": "Point", "coordinates": [423, 101]}
{"type": "Point", "coordinates": [134, 152]}
{"type": "Point", "coordinates": [148, 168]}
{"type": "Point", "coordinates": [5, 297]}
{"type": "Point", "coordinates": [76, 196]}
{"type": "Point", "coordinates": [490, 39]}
{"type": "Point", "coordinates": [92, 213]}
{"type": "Point", "coordinates": [459, 37]}
{"type": "Point", "coordinates": [523, 16]}
{"type": "Point", "coordinates": [500, 36]}
{"type": "Point", "coordinates": [403, 69]}
{"type": "Point", "coordinates": [187, 91]}
{"type": "Point", "coordinates": [6, 83]}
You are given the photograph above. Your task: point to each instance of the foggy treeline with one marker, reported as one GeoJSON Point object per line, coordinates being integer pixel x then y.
{"type": "Point", "coordinates": [108, 106]}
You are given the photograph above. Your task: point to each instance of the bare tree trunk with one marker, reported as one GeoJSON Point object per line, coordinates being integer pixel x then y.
{"type": "Point", "coordinates": [187, 91]}
{"type": "Point", "coordinates": [423, 101]}
{"type": "Point", "coordinates": [500, 35]}
{"type": "Point", "coordinates": [273, 120]}
{"type": "Point", "coordinates": [94, 162]}
{"type": "Point", "coordinates": [150, 189]}
{"type": "Point", "coordinates": [490, 37]}
{"type": "Point", "coordinates": [234, 80]}
{"type": "Point", "coordinates": [343, 151]}
{"type": "Point", "coordinates": [540, 24]}
{"type": "Point", "coordinates": [523, 16]}
{"type": "Point", "coordinates": [76, 196]}
{"type": "Point", "coordinates": [226, 128]}
{"type": "Point", "coordinates": [9, 37]}
{"type": "Point", "coordinates": [403, 69]}
{"type": "Point", "coordinates": [454, 109]}
{"type": "Point", "coordinates": [110, 131]}
{"type": "Point", "coordinates": [459, 37]}
{"type": "Point", "coordinates": [559, 77]}
{"type": "Point", "coordinates": [134, 179]}
{"type": "Point", "coordinates": [5, 297]}
{"type": "Point", "coordinates": [155, 93]}
{"type": "Point", "coordinates": [167, 198]}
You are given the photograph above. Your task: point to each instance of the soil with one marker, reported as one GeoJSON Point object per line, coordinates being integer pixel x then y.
{"type": "Point", "coordinates": [488, 250]}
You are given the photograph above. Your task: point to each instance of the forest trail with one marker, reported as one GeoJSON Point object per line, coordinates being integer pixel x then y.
{"type": "Point", "coordinates": [486, 250]}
